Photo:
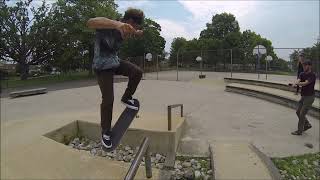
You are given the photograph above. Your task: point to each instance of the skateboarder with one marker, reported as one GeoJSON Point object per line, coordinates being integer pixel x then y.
{"type": "Point", "coordinates": [307, 80]}
{"type": "Point", "coordinates": [300, 69]}
{"type": "Point", "coordinates": [106, 63]}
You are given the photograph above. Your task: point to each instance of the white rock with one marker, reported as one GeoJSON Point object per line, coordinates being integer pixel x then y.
{"type": "Point", "coordinates": [209, 172]}
{"type": "Point", "coordinates": [119, 157]}
{"type": "Point", "coordinates": [316, 163]}
{"type": "Point", "coordinates": [127, 148]}
{"type": "Point", "coordinates": [192, 161]}
{"type": "Point", "coordinates": [99, 152]}
{"type": "Point", "coordinates": [179, 166]}
{"type": "Point", "coordinates": [126, 153]}
{"type": "Point", "coordinates": [206, 177]}
{"type": "Point", "coordinates": [104, 154]}
{"type": "Point", "coordinates": [197, 174]}
{"type": "Point", "coordinates": [159, 166]}
{"type": "Point", "coordinates": [188, 174]}
{"type": "Point", "coordinates": [186, 164]}
{"type": "Point", "coordinates": [71, 145]}
{"type": "Point", "coordinates": [295, 162]}
{"type": "Point", "coordinates": [158, 157]}
{"type": "Point", "coordinates": [93, 151]}
{"type": "Point", "coordinates": [126, 158]}
{"type": "Point", "coordinates": [305, 161]}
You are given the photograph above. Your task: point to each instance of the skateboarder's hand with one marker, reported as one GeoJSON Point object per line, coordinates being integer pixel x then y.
{"type": "Point", "coordinates": [292, 84]}
{"type": "Point", "coordinates": [126, 30]}
{"type": "Point", "coordinates": [139, 33]}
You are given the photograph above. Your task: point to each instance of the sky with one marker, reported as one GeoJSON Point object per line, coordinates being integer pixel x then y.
{"type": "Point", "coordinates": [288, 24]}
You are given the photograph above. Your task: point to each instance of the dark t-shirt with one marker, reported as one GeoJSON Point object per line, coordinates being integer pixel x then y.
{"type": "Point", "coordinates": [107, 45]}
{"type": "Point", "coordinates": [307, 90]}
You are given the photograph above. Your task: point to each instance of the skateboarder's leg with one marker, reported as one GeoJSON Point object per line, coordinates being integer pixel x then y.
{"type": "Point", "coordinates": [105, 81]}
{"type": "Point", "coordinates": [134, 73]}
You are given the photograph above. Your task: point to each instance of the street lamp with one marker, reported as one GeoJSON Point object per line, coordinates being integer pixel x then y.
{"type": "Point", "coordinates": [259, 50]}
{"type": "Point", "coordinates": [158, 66]}
{"type": "Point", "coordinates": [199, 59]}
{"type": "Point", "coordinates": [268, 59]}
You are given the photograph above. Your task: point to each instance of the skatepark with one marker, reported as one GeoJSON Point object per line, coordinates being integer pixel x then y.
{"type": "Point", "coordinates": [228, 122]}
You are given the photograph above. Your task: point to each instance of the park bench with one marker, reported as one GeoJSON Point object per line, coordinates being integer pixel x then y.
{"type": "Point", "coordinates": [28, 92]}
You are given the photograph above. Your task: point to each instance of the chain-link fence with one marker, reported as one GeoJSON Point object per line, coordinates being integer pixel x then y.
{"type": "Point", "coordinates": [229, 62]}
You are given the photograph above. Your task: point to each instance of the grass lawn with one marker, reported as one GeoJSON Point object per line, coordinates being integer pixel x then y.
{"type": "Point", "coordinates": [299, 167]}
{"type": "Point", "coordinates": [14, 82]}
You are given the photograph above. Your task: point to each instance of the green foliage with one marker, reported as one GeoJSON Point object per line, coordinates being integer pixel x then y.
{"type": "Point", "coordinates": [23, 37]}
{"type": "Point", "coordinates": [150, 42]}
{"type": "Point", "coordinates": [311, 53]}
{"type": "Point", "coordinates": [220, 26]}
{"type": "Point", "coordinates": [74, 40]}
{"type": "Point", "coordinates": [221, 35]}
{"type": "Point", "coordinates": [295, 166]}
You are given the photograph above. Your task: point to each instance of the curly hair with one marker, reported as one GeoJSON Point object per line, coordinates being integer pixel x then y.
{"type": "Point", "coordinates": [136, 15]}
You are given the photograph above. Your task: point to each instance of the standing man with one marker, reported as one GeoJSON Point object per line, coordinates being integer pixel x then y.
{"type": "Point", "coordinates": [106, 63]}
{"type": "Point", "coordinates": [307, 81]}
{"type": "Point", "coordinates": [300, 68]}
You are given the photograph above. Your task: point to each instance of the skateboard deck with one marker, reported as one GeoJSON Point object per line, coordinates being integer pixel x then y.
{"type": "Point", "coordinates": [121, 126]}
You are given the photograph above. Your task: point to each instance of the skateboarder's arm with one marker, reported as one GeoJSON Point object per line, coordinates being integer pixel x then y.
{"type": "Point", "coordinates": [303, 83]}
{"type": "Point", "coordinates": [306, 82]}
{"type": "Point", "coordinates": [105, 23]}
{"type": "Point", "coordinates": [102, 23]}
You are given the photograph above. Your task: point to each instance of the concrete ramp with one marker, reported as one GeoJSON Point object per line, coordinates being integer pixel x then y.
{"type": "Point", "coordinates": [241, 160]}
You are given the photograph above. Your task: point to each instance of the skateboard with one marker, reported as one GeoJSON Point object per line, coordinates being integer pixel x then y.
{"type": "Point", "coordinates": [121, 126]}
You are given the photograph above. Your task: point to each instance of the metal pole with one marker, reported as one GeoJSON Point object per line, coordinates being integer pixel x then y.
{"type": "Point", "coordinates": [201, 63]}
{"type": "Point", "coordinates": [231, 62]}
{"type": "Point", "coordinates": [157, 68]}
{"type": "Point", "coordinates": [177, 64]}
{"type": "Point", "coordinates": [266, 70]}
{"type": "Point", "coordinates": [169, 118]}
{"type": "Point", "coordinates": [147, 158]}
{"type": "Point", "coordinates": [136, 162]}
{"type": "Point", "coordinates": [258, 66]}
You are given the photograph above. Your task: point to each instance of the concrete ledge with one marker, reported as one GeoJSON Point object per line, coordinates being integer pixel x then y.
{"type": "Point", "coordinates": [237, 160]}
{"type": "Point", "coordinates": [28, 92]}
{"type": "Point", "coordinates": [274, 172]}
{"type": "Point", "coordinates": [272, 97]}
{"type": "Point", "coordinates": [160, 141]}
{"type": "Point", "coordinates": [276, 85]}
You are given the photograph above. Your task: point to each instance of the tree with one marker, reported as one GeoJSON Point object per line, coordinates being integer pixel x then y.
{"type": "Point", "coordinates": [151, 41]}
{"type": "Point", "coordinates": [76, 41]}
{"type": "Point", "coordinates": [177, 45]}
{"type": "Point", "coordinates": [22, 35]}
{"type": "Point", "coordinates": [279, 65]}
{"type": "Point", "coordinates": [220, 26]}
{"type": "Point", "coordinates": [311, 53]}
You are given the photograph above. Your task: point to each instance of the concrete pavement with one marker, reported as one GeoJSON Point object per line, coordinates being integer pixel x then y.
{"type": "Point", "coordinates": [211, 114]}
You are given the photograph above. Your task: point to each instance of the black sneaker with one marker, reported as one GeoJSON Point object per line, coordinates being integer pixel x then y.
{"type": "Point", "coordinates": [106, 140]}
{"type": "Point", "coordinates": [306, 127]}
{"type": "Point", "coordinates": [130, 103]}
{"type": "Point", "coordinates": [297, 133]}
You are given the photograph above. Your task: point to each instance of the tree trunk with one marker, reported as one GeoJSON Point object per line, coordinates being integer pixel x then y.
{"type": "Point", "coordinates": [24, 71]}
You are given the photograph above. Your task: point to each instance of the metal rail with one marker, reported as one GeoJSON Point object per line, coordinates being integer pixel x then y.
{"type": "Point", "coordinates": [169, 113]}
{"type": "Point", "coordinates": [143, 151]}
